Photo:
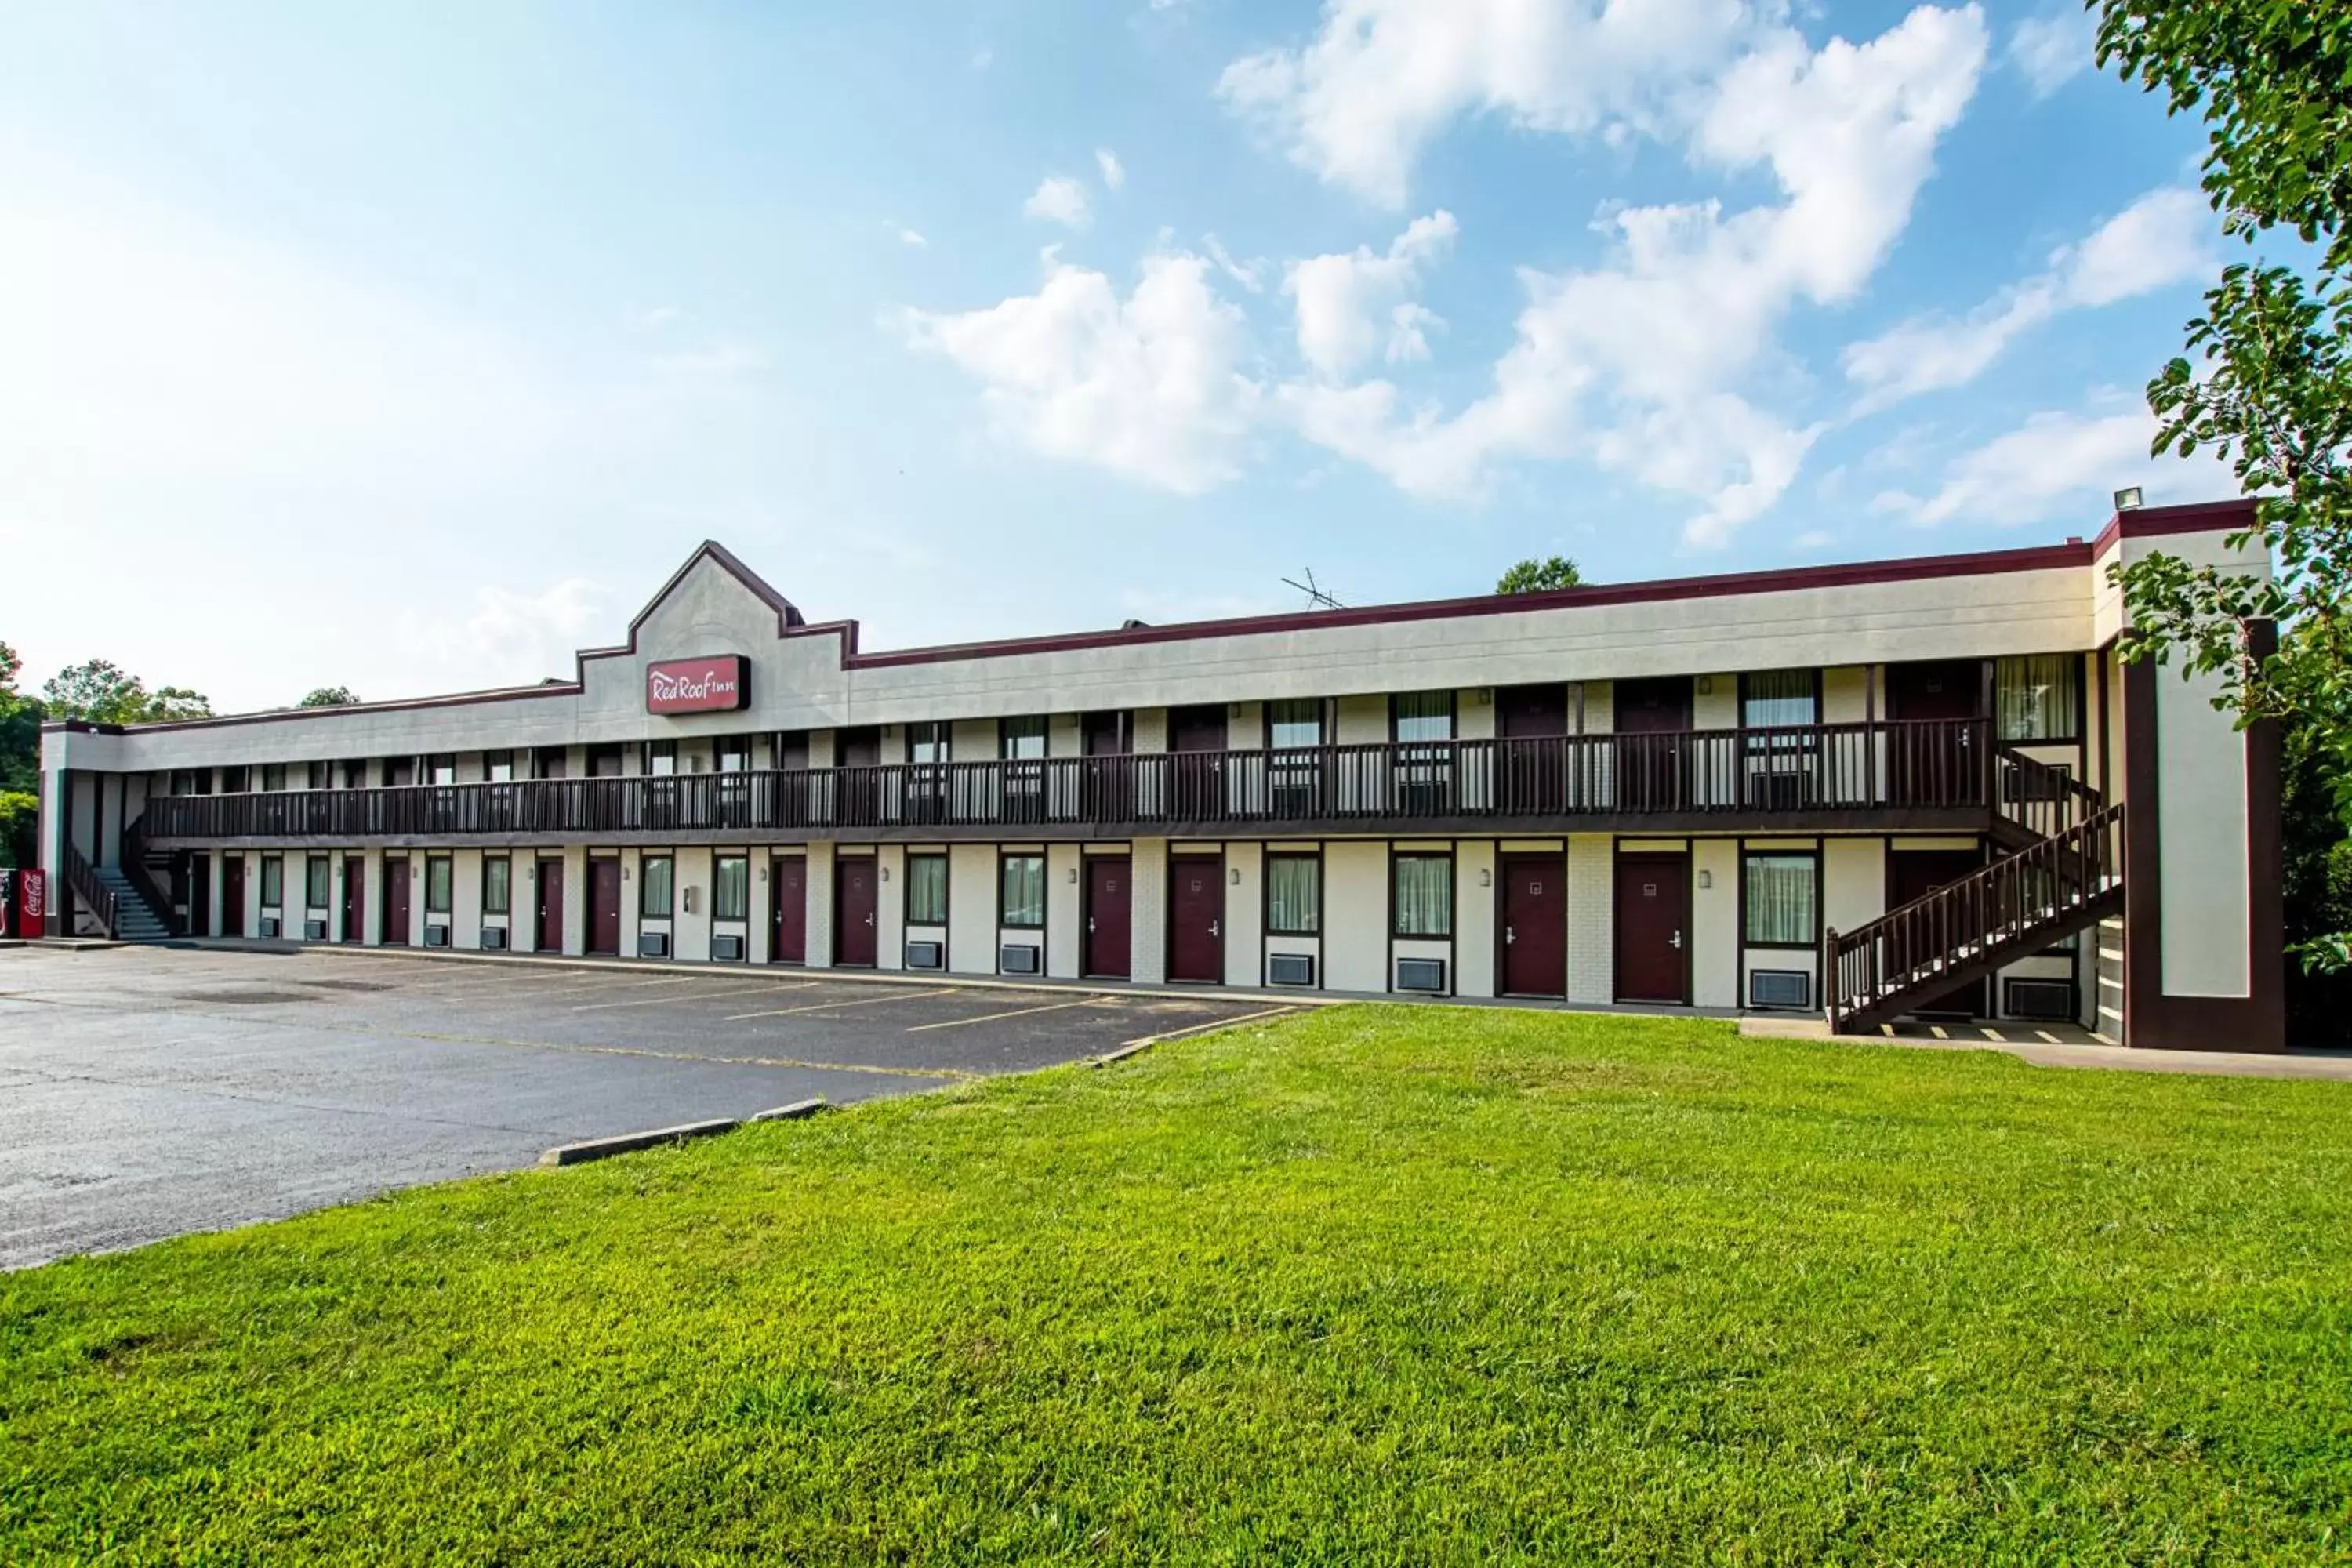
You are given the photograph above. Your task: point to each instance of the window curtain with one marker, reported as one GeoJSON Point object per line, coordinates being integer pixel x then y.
{"type": "Point", "coordinates": [1294, 895]}
{"type": "Point", "coordinates": [1424, 716]}
{"type": "Point", "coordinates": [1781, 899]}
{"type": "Point", "coordinates": [1294, 722]}
{"type": "Point", "coordinates": [1774, 697]}
{"type": "Point", "coordinates": [495, 871]}
{"type": "Point", "coordinates": [1025, 890]}
{"type": "Point", "coordinates": [2034, 697]}
{"type": "Point", "coordinates": [926, 890]}
{"type": "Point", "coordinates": [654, 882]}
{"type": "Point", "coordinates": [730, 896]}
{"type": "Point", "coordinates": [1425, 895]}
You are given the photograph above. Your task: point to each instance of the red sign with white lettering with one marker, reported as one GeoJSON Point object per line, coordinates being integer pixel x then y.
{"type": "Point", "coordinates": [716, 684]}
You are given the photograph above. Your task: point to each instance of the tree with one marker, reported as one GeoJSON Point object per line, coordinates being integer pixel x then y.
{"type": "Point", "coordinates": [1533, 576]}
{"type": "Point", "coordinates": [329, 697]}
{"type": "Point", "coordinates": [2273, 395]}
{"type": "Point", "coordinates": [101, 692]}
{"type": "Point", "coordinates": [20, 729]}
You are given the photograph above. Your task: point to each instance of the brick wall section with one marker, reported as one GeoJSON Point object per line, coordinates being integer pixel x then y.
{"type": "Point", "coordinates": [1591, 913]}
{"type": "Point", "coordinates": [1150, 916]}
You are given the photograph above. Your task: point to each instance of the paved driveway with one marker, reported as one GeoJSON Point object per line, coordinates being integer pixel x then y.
{"type": "Point", "coordinates": [145, 1092]}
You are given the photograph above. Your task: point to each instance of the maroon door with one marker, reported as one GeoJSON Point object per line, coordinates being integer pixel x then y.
{"type": "Point", "coordinates": [1933, 764]}
{"type": "Point", "coordinates": [853, 928]}
{"type": "Point", "coordinates": [1535, 926]}
{"type": "Point", "coordinates": [605, 906]}
{"type": "Point", "coordinates": [1109, 916]}
{"type": "Point", "coordinates": [1913, 874]}
{"type": "Point", "coordinates": [1654, 928]}
{"type": "Point", "coordinates": [1196, 901]}
{"type": "Point", "coordinates": [1533, 777]}
{"type": "Point", "coordinates": [232, 895]}
{"type": "Point", "coordinates": [200, 895]}
{"type": "Point", "coordinates": [788, 935]}
{"type": "Point", "coordinates": [551, 907]}
{"type": "Point", "coordinates": [396, 904]}
{"type": "Point", "coordinates": [355, 899]}
{"type": "Point", "coordinates": [1656, 713]}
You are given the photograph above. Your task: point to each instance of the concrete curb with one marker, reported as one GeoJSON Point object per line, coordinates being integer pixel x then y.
{"type": "Point", "coordinates": [797, 1111]}
{"type": "Point", "coordinates": [630, 1142]}
{"type": "Point", "coordinates": [1137, 1048]}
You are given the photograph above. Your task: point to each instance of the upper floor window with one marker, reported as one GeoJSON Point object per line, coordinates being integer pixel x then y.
{"type": "Point", "coordinates": [442, 768]}
{"type": "Point", "coordinates": [548, 762]}
{"type": "Point", "coordinates": [497, 767]}
{"type": "Point", "coordinates": [791, 750]}
{"type": "Point", "coordinates": [183, 782]}
{"type": "Point", "coordinates": [321, 775]}
{"type": "Point", "coordinates": [605, 762]}
{"type": "Point", "coordinates": [2037, 697]}
{"type": "Point", "coordinates": [661, 757]}
{"type": "Point", "coordinates": [734, 753]}
{"type": "Point", "coordinates": [1423, 715]}
{"type": "Point", "coordinates": [1110, 733]}
{"type": "Point", "coordinates": [1770, 698]}
{"type": "Point", "coordinates": [355, 774]}
{"type": "Point", "coordinates": [1023, 737]}
{"type": "Point", "coordinates": [236, 781]}
{"type": "Point", "coordinates": [273, 777]}
{"type": "Point", "coordinates": [927, 742]}
{"type": "Point", "coordinates": [399, 772]}
{"type": "Point", "coordinates": [1293, 722]}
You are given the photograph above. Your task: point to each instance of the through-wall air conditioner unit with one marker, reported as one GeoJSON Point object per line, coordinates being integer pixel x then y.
{"type": "Point", "coordinates": [1018, 958]}
{"type": "Point", "coordinates": [1426, 975]}
{"type": "Point", "coordinates": [926, 956]}
{"type": "Point", "coordinates": [2042, 1001]}
{"type": "Point", "coordinates": [314, 930]}
{"type": "Point", "coordinates": [436, 936]}
{"type": "Point", "coordinates": [1290, 969]}
{"type": "Point", "coordinates": [494, 938]}
{"type": "Point", "coordinates": [1780, 988]}
{"type": "Point", "coordinates": [271, 925]}
{"type": "Point", "coordinates": [726, 949]}
{"type": "Point", "coordinates": [653, 945]}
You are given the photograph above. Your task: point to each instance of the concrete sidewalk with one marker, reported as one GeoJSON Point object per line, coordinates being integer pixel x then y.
{"type": "Point", "coordinates": [2062, 1046]}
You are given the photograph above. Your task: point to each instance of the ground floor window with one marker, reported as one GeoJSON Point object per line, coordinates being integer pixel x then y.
{"type": "Point", "coordinates": [730, 891]}
{"type": "Point", "coordinates": [1294, 895]}
{"type": "Point", "coordinates": [317, 884]}
{"type": "Point", "coordinates": [656, 887]}
{"type": "Point", "coordinates": [926, 890]}
{"type": "Point", "coordinates": [495, 871]}
{"type": "Point", "coordinates": [1780, 889]}
{"type": "Point", "coordinates": [1023, 878]}
{"type": "Point", "coordinates": [1423, 888]}
{"type": "Point", "coordinates": [273, 881]}
{"type": "Point", "coordinates": [437, 880]}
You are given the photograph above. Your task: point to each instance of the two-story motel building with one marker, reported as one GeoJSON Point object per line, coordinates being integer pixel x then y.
{"type": "Point", "coordinates": [1920, 787]}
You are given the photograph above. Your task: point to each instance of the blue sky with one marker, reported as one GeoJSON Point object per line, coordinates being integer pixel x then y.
{"type": "Point", "coordinates": [411, 347]}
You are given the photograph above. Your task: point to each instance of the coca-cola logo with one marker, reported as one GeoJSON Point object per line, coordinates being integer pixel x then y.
{"type": "Point", "coordinates": [696, 685]}
{"type": "Point", "coordinates": [33, 897]}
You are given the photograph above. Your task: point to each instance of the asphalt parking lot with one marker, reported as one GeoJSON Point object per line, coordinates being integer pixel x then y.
{"type": "Point", "coordinates": [147, 1092]}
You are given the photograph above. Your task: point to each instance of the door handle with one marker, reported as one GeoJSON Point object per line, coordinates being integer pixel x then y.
{"type": "Point", "coordinates": [1090, 924]}
{"type": "Point", "coordinates": [1509, 935]}
{"type": "Point", "coordinates": [1213, 930]}
{"type": "Point", "coordinates": [869, 920]}
{"type": "Point", "coordinates": [1674, 940]}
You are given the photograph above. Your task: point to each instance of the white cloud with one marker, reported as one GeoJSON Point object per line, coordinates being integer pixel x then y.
{"type": "Point", "coordinates": [1814, 539]}
{"type": "Point", "coordinates": [2026, 474]}
{"type": "Point", "coordinates": [1383, 77]}
{"type": "Point", "coordinates": [654, 319]}
{"type": "Point", "coordinates": [982, 57]}
{"type": "Point", "coordinates": [507, 638]}
{"type": "Point", "coordinates": [1150, 387]}
{"type": "Point", "coordinates": [1060, 199]}
{"type": "Point", "coordinates": [1641, 365]}
{"type": "Point", "coordinates": [1248, 275]}
{"type": "Point", "coordinates": [912, 237]}
{"type": "Point", "coordinates": [2161, 239]}
{"type": "Point", "coordinates": [2052, 49]}
{"type": "Point", "coordinates": [1344, 301]}
{"type": "Point", "coordinates": [1114, 173]}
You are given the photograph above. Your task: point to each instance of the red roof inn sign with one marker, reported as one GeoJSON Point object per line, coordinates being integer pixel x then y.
{"type": "Point", "coordinates": [719, 685]}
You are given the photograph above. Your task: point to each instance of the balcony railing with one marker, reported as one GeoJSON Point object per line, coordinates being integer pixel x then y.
{"type": "Point", "coordinates": [1931, 765]}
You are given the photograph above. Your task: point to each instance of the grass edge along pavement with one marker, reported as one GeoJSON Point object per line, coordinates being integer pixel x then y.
{"type": "Point", "coordinates": [1373, 1284]}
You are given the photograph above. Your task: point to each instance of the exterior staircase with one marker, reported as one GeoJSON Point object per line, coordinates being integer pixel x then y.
{"type": "Point", "coordinates": [2064, 874]}
{"type": "Point", "coordinates": [134, 920]}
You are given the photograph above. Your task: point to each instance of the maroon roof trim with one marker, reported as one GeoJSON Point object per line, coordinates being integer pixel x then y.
{"type": "Point", "coordinates": [2148, 522]}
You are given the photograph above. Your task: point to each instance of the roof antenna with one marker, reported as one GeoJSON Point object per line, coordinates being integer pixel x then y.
{"type": "Point", "coordinates": [1316, 599]}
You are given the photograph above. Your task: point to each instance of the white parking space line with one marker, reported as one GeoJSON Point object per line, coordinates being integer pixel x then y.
{"type": "Point", "coordinates": [993, 1017]}
{"type": "Point", "coordinates": [767, 987]}
{"type": "Point", "coordinates": [910, 995]}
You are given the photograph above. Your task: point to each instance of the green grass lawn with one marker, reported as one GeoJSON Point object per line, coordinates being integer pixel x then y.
{"type": "Point", "coordinates": [1379, 1285]}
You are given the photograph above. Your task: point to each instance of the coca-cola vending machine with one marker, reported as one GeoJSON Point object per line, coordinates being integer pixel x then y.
{"type": "Point", "coordinates": [32, 901]}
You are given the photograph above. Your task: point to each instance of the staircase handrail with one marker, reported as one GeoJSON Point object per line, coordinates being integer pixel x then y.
{"type": "Point", "coordinates": [1973, 913]}
{"type": "Point", "coordinates": [141, 878]}
{"type": "Point", "coordinates": [2044, 799]}
{"type": "Point", "coordinates": [95, 895]}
